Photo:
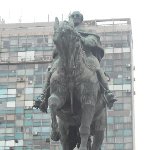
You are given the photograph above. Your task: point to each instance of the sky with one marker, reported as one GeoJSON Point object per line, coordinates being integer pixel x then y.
{"type": "Point", "coordinates": [15, 11]}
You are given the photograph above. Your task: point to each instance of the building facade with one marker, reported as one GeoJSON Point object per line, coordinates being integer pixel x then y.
{"type": "Point", "coordinates": [26, 52]}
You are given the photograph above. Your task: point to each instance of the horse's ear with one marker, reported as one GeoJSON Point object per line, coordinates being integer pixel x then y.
{"type": "Point", "coordinates": [56, 24]}
{"type": "Point", "coordinates": [71, 22]}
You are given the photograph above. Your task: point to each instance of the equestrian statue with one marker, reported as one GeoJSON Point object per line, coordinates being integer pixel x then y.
{"type": "Point", "coordinates": [76, 90]}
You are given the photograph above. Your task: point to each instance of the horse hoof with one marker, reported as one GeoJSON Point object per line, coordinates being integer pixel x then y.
{"type": "Point", "coordinates": [55, 136]}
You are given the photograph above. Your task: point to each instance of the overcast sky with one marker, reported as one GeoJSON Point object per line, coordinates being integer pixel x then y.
{"type": "Point", "coordinates": [14, 11]}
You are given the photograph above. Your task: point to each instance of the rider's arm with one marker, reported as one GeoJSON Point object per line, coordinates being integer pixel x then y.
{"type": "Point", "coordinates": [89, 41]}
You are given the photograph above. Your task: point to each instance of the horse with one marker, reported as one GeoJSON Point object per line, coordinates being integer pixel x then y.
{"type": "Point", "coordinates": [75, 93]}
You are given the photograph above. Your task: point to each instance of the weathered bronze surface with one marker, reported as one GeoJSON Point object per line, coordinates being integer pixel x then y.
{"type": "Point", "coordinates": [76, 89]}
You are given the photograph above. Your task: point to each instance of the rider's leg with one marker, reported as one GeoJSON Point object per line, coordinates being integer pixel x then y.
{"type": "Point", "coordinates": [46, 90]}
{"type": "Point", "coordinates": [102, 78]}
{"type": "Point", "coordinates": [104, 84]}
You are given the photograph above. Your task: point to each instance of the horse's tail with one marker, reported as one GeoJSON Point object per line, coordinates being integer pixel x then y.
{"type": "Point", "coordinates": [74, 137]}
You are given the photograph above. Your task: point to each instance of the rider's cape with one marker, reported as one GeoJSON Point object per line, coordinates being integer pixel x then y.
{"type": "Point", "coordinates": [97, 51]}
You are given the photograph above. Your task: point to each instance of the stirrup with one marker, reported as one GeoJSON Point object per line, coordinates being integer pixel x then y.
{"type": "Point", "coordinates": [109, 98]}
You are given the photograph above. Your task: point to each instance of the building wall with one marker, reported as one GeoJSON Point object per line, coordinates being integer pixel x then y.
{"type": "Point", "coordinates": [25, 53]}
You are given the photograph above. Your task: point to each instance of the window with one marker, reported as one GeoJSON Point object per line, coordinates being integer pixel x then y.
{"type": "Point", "coordinates": [10, 143]}
{"type": "Point", "coordinates": [21, 56]}
{"type": "Point", "coordinates": [117, 87]}
{"type": "Point", "coordinates": [10, 130]}
{"type": "Point", "coordinates": [40, 40]}
{"type": "Point", "coordinates": [118, 106]}
{"type": "Point", "coordinates": [10, 117]}
{"type": "Point", "coordinates": [118, 94]}
{"type": "Point", "coordinates": [119, 119]}
{"type": "Point", "coordinates": [26, 45]}
{"type": "Point", "coordinates": [108, 38]}
{"type": "Point", "coordinates": [37, 116]}
{"type": "Point", "coordinates": [127, 106]}
{"type": "Point", "coordinates": [119, 132]}
{"type": "Point", "coordinates": [14, 41]}
{"type": "Point", "coordinates": [3, 93]}
{"type": "Point", "coordinates": [128, 146]}
{"type": "Point", "coordinates": [29, 55]}
{"type": "Point", "coordinates": [18, 136]}
{"type": "Point", "coordinates": [19, 110]}
{"type": "Point", "coordinates": [4, 67]}
{"type": "Point", "coordinates": [127, 132]}
{"type": "Point", "coordinates": [38, 80]}
{"type": "Point", "coordinates": [110, 120]}
{"type": "Point", "coordinates": [127, 120]}
{"type": "Point", "coordinates": [117, 50]}
{"type": "Point", "coordinates": [118, 81]}
{"type": "Point", "coordinates": [119, 146]}
{"type": "Point", "coordinates": [38, 90]}
{"type": "Point", "coordinates": [29, 71]}
{"type": "Point", "coordinates": [4, 57]}
{"type": "Point", "coordinates": [126, 49]}
{"type": "Point", "coordinates": [117, 62]}
{"type": "Point", "coordinates": [20, 72]}
{"type": "Point", "coordinates": [109, 50]}
{"type": "Point", "coordinates": [29, 103]}
{"type": "Point", "coordinates": [28, 90]}
{"type": "Point", "coordinates": [110, 133]}
{"type": "Point", "coordinates": [117, 68]}
{"type": "Point", "coordinates": [46, 129]}
{"type": "Point", "coordinates": [11, 92]}
{"type": "Point", "coordinates": [6, 44]}
{"type": "Point", "coordinates": [28, 116]}
{"type": "Point", "coordinates": [28, 123]}
{"type": "Point", "coordinates": [126, 55]}
{"type": "Point", "coordinates": [127, 87]}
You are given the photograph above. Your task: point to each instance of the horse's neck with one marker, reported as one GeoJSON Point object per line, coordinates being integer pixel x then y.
{"type": "Point", "coordinates": [73, 65]}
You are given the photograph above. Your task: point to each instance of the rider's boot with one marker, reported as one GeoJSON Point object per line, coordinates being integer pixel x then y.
{"type": "Point", "coordinates": [108, 95]}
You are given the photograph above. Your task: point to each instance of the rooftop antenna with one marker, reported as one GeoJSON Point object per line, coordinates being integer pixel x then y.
{"type": "Point", "coordinates": [20, 19]}
{"type": "Point", "coordinates": [2, 21]}
{"type": "Point", "coordinates": [48, 17]}
{"type": "Point", "coordinates": [9, 14]}
{"type": "Point", "coordinates": [62, 17]}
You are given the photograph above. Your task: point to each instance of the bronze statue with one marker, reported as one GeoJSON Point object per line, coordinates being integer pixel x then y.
{"type": "Point", "coordinates": [76, 89]}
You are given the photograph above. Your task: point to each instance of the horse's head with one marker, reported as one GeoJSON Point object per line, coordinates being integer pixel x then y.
{"type": "Point", "coordinates": [67, 41]}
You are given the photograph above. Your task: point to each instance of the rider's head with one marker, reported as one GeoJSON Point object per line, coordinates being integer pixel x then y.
{"type": "Point", "coordinates": [77, 18]}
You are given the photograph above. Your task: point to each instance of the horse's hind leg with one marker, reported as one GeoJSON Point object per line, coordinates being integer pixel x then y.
{"type": "Point", "coordinates": [98, 140]}
{"type": "Point", "coordinates": [64, 139]}
{"type": "Point", "coordinates": [86, 119]}
{"type": "Point", "coordinates": [99, 132]}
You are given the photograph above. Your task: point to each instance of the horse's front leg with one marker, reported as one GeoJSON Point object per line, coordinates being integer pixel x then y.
{"type": "Point", "coordinates": [64, 128]}
{"type": "Point", "coordinates": [54, 103]}
{"type": "Point", "coordinates": [86, 119]}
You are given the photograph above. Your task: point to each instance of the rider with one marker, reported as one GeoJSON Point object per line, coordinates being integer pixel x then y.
{"type": "Point", "coordinates": [93, 50]}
